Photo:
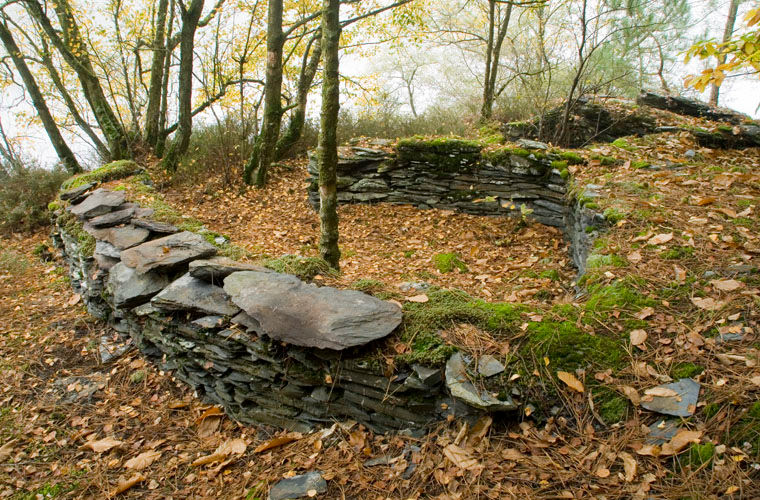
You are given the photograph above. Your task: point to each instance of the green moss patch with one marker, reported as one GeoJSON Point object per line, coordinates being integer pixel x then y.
{"type": "Point", "coordinates": [677, 253]}
{"type": "Point", "coordinates": [595, 261]}
{"type": "Point", "coordinates": [71, 225]}
{"type": "Point", "coordinates": [621, 295]}
{"type": "Point", "coordinates": [109, 172]}
{"type": "Point", "coordinates": [686, 370]}
{"type": "Point", "coordinates": [447, 262]}
{"type": "Point", "coordinates": [305, 268]}
{"type": "Point", "coordinates": [623, 144]}
{"type": "Point", "coordinates": [571, 158]}
{"type": "Point", "coordinates": [568, 347]}
{"type": "Point", "coordinates": [448, 154]}
{"type": "Point", "coordinates": [611, 406]}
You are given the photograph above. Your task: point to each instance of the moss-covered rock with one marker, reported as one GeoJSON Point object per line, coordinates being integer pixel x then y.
{"type": "Point", "coordinates": [447, 154]}
{"type": "Point", "coordinates": [109, 172]}
{"type": "Point", "coordinates": [305, 268]}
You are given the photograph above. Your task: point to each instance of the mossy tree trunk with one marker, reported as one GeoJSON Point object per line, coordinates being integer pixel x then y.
{"type": "Point", "coordinates": [54, 134]}
{"type": "Point", "coordinates": [328, 136]}
{"type": "Point", "coordinates": [153, 111]}
{"type": "Point", "coordinates": [263, 154]}
{"type": "Point", "coordinates": [73, 49]}
{"type": "Point", "coordinates": [190, 17]}
{"type": "Point", "coordinates": [309, 68]}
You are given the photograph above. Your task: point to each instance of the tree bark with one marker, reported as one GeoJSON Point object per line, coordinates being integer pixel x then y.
{"type": "Point", "coordinates": [727, 33]}
{"type": "Point", "coordinates": [493, 53]}
{"type": "Point", "coordinates": [298, 118]}
{"type": "Point", "coordinates": [61, 148]}
{"type": "Point", "coordinates": [74, 50]}
{"type": "Point", "coordinates": [153, 110]}
{"type": "Point", "coordinates": [263, 154]}
{"type": "Point", "coordinates": [328, 137]}
{"type": "Point", "coordinates": [190, 17]}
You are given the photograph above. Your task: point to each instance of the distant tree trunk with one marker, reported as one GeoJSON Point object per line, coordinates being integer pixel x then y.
{"type": "Point", "coordinates": [153, 111]}
{"type": "Point", "coordinates": [263, 154]}
{"type": "Point", "coordinates": [61, 148]}
{"type": "Point", "coordinates": [190, 17]}
{"type": "Point", "coordinates": [328, 137]}
{"type": "Point", "coordinates": [497, 31]}
{"type": "Point", "coordinates": [727, 33]}
{"type": "Point", "coordinates": [74, 50]}
{"type": "Point", "coordinates": [170, 46]}
{"type": "Point", "coordinates": [298, 118]}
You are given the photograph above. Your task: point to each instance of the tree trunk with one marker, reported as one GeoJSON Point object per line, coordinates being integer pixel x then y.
{"type": "Point", "coordinates": [493, 53]}
{"type": "Point", "coordinates": [170, 46]}
{"type": "Point", "coordinates": [727, 33]}
{"type": "Point", "coordinates": [298, 118]}
{"type": "Point", "coordinates": [153, 111]}
{"type": "Point", "coordinates": [74, 50]}
{"type": "Point", "coordinates": [256, 169]}
{"type": "Point", "coordinates": [328, 136]}
{"type": "Point", "coordinates": [61, 148]}
{"type": "Point", "coordinates": [190, 18]}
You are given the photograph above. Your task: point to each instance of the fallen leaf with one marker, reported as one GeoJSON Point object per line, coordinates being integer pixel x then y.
{"type": "Point", "coordinates": [278, 441]}
{"type": "Point", "coordinates": [707, 303]}
{"type": "Point", "coordinates": [127, 484]}
{"type": "Point", "coordinates": [634, 257]}
{"type": "Point", "coordinates": [680, 274]}
{"type": "Point", "coordinates": [602, 472]}
{"type": "Point", "coordinates": [756, 380]}
{"type": "Point", "coordinates": [512, 454]}
{"type": "Point", "coordinates": [6, 450]}
{"type": "Point", "coordinates": [644, 313]}
{"type": "Point", "coordinates": [479, 431]}
{"type": "Point", "coordinates": [660, 239]}
{"type": "Point", "coordinates": [142, 460]}
{"type": "Point", "coordinates": [419, 299]}
{"type": "Point", "coordinates": [631, 393]}
{"type": "Point", "coordinates": [638, 337]}
{"type": "Point", "coordinates": [460, 457]}
{"type": "Point", "coordinates": [726, 285]}
{"type": "Point", "coordinates": [661, 392]}
{"type": "Point", "coordinates": [102, 445]}
{"type": "Point", "coordinates": [680, 441]}
{"type": "Point", "coordinates": [74, 299]}
{"type": "Point", "coordinates": [209, 412]}
{"type": "Point", "coordinates": [629, 465]}
{"type": "Point", "coordinates": [571, 381]}
{"type": "Point", "coordinates": [229, 447]}
{"type": "Point", "coordinates": [649, 450]}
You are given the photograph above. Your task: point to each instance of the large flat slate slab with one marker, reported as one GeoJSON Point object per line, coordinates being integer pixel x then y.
{"type": "Point", "coordinates": [130, 288]}
{"type": "Point", "coordinates": [188, 293]}
{"type": "Point", "coordinates": [166, 252]}
{"type": "Point", "coordinates": [99, 202]}
{"type": "Point", "coordinates": [294, 312]}
{"type": "Point", "coordinates": [120, 216]}
{"type": "Point", "coordinates": [304, 485]}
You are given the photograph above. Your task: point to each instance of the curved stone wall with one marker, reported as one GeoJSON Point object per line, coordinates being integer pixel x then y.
{"type": "Point", "coordinates": [247, 338]}
{"type": "Point", "coordinates": [458, 175]}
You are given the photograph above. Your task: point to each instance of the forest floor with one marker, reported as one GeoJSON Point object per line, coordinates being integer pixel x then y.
{"type": "Point", "coordinates": [687, 239]}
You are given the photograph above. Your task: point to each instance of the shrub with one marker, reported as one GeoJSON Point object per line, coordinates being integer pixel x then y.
{"type": "Point", "coordinates": [25, 192]}
{"type": "Point", "coordinates": [220, 148]}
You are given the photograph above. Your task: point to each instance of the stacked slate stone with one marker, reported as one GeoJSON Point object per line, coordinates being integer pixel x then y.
{"type": "Point", "coordinates": [266, 346]}
{"type": "Point", "coordinates": [452, 175]}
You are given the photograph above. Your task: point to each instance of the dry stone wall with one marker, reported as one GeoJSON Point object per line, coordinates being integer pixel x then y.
{"type": "Point", "coordinates": [266, 346]}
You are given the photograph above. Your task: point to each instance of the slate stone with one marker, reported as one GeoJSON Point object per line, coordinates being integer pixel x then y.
{"type": "Point", "coordinates": [107, 250]}
{"type": "Point", "coordinates": [154, 225]}
{"type": "Point", "coordinates": [75, 193]}
{"type": "Point", "coordinates": [99, 202]}
{"type": "Point", "coordinates": [188, 293]}
{"type": "Point", "coordinates": [214, 321]}
{"type": "Point", "coordinates": [528, 144]}
{"type": "Point", "coordinates": [215, 269]}
{"type": "Point", "coordinates": [461, 388]}
{"type": "Point", "coordinates": [428, 376]}
{"type": "Point", "coordinates": [294, 312]}
{"type": "Point", "coordinates": [112, 347]}
{"type": "Point", "coordinates": [244, 319]}
{"type": "Point", "coordinates": [417, 286]}
{"type": "Point", "coordinates": [125, 236]}
{"type": "Point", "coordinates": [105, 263]}
{"type": "Point", "coordinates": [298, 486]}
{"type": "Point", "coordinates": [145, 309]}
{"type": "Point", "coordinates": [662, 431]}
{"type": "Point", "coordinates": [169, 251]}
{"type": "Point", "coordinates": [79, 388]}
{"type": "Point", "coordinates": [130, 288]}
{"type": "Point", "coordinates": [113, 218]}
{"type": "Point", "coordinates": [488, 366]}
{"type": "Point", "coordinates": [369, 185]}
{"type": "Point", "coordinates": [682, 405]}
